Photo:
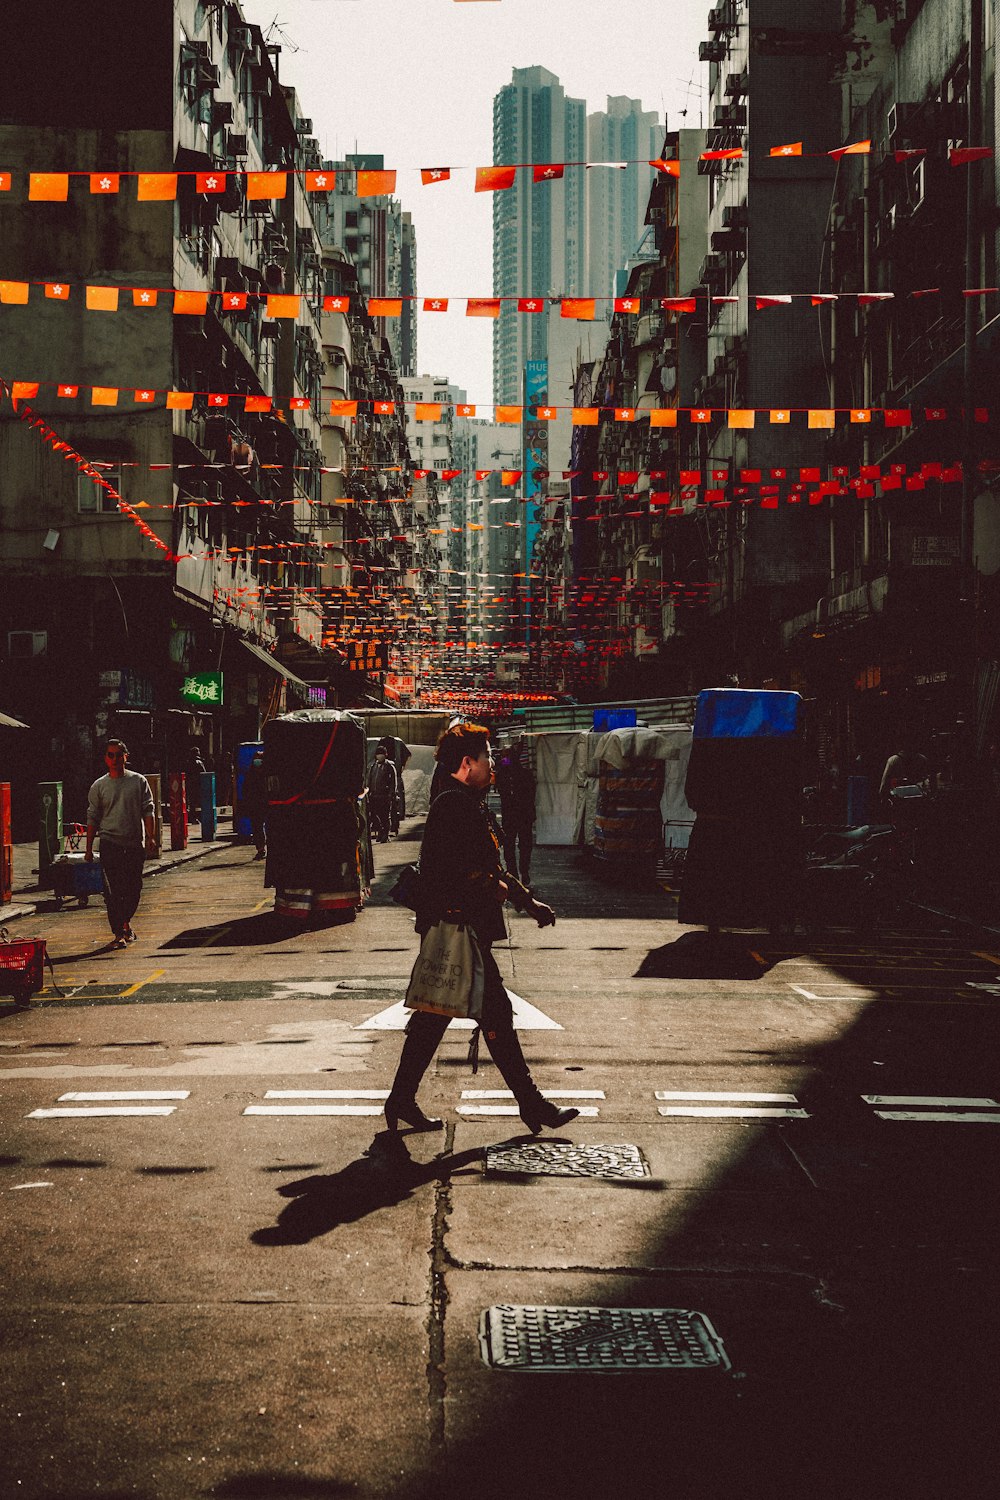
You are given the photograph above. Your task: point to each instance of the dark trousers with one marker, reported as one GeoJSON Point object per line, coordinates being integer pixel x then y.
{"type": "Point", "coordinates": [424, 1033]}
{"type": "Point", "coordinates": [381, 807]}
{"type": "Point", "coordinates": [518, 839]}
{"type": "Point", "coordinates": [258, 830]}
{"type": "Point", "coordinates": [122, 872]}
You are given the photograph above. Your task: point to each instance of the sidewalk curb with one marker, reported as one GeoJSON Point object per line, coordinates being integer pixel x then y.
{"type": "Point", "coordinates": [968, 923]}
{"type": "Point", "coordinates": [16, 910]}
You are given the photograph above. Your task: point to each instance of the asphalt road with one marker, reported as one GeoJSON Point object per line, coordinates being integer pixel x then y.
{"type": "Point", "coordinates": [223, 1295]}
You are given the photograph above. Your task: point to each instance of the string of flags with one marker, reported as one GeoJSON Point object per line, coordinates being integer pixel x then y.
{"type": "Point", "coordinates": [816, 418]}
{"type": "Point", "coordinates": [272, 184]}
{"type": "Point", "coordinates": [278, 305]}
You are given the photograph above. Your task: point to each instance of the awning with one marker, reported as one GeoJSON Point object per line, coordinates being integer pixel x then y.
{"type": "Point", "coordinates": [6, 722]}
{"type": "Point", "coordinates": [274, 664]}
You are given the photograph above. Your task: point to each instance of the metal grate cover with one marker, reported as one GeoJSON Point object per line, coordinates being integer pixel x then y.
{"type": "Point", "coordinates": [598, 1339]}
{"type": "Point", "coordinates": [561, 1159]}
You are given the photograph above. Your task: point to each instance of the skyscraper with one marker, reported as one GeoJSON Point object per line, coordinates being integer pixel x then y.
{"type": "Point", "coordinates": [617, 197]}
{"type": "Point", "coordinates": [539, 228]}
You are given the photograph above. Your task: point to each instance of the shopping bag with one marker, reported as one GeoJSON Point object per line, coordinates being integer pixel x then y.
{"type": "Point", "coordinates": [447, 978]}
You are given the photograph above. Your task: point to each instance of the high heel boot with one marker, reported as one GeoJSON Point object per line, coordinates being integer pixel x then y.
{"type": "Point", "coordinates": [536, 1111]}
{"type": "Point", "coordinates": [423, 1036]}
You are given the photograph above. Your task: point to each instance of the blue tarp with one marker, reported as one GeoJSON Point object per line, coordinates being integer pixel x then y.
{"type": "Point", "coordinates": [745, 713]}
{"type": "Point", "coordinates": [606, 719]}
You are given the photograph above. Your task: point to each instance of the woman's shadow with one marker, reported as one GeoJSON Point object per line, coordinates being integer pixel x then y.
{"type": "Point", "coordinates": [385, 1174]}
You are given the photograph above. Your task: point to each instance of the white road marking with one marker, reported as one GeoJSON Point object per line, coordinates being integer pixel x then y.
{"type": "Point", "coordinates": [101, 1110]}
{"type": "Point", "coordinates": [19, 1185]}
{"type": "Point", "coordinates": [938, 1099]}
{"type": "Point", "coordinates": [732, 1112]}
{"type": "Point", "coordinates": [327, 1094]}
{"type": "Point", "coordinates": [587, 1112]}
{"type": "Point", "coordinates": [837, 995]}
{"type": "Point", "coordinates": [121, 1098]}
{"type": "Point", "coordinates": [527, 1017]}
{"type": "Point", "coordinates": [940, 1116]}
{"type": "Point", "coordinates": [549, 1094]}
{"type": "Point", "coordinates": [312, 1109]}
{"type": "Point", "coordinates": [706, 1097]}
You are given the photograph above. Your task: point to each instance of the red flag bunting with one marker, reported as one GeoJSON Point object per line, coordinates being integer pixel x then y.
{"type": "Point", "coordinates": [494, 179]}
{"type": "Point", "coordinates": [435, 304]}
{"type": "Point", "coordinates": [430, 175]}
{"type": "Point", "coordinates": [530, 304]}
{"type": "Point", "coordinates": [482, 307]}
{"type": "Point", "coordinates": [336, 304]}
{"type": "Point", "coordinates": [376, 184]}
{"type": "Point", "coordinates": [547, 172]}
{"type": "Point", "coordinates": [210, 182]}
{"type": "Point", "coordinates": [104, 182]}
{"type": "Point", "coordinates": [321, 182]}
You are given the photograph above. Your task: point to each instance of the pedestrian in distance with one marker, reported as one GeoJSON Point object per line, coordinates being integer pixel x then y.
{"type": "Point", "coordinates": [254, 799]}
{"type": "Point", "coordinates": [196, 769]}
{"type": "Point", "coordinates": [382, 787]}
{"type": "Point", "coordinates": [515, 783]}
{"type": "Point", "coordinates": [120, 810]}
{"type": "Point", "coordinates": [462, 879]}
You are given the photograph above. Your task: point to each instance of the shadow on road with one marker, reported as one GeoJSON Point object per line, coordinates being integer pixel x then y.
{"type": "Point", "coordinates": [280, 1486]}
{"type": "Point", "coordinates": [386, 1174]}
{"type": "Point", "coordinates": [698, 955]}
{"type": "Point", "coordinates": [263, 928]}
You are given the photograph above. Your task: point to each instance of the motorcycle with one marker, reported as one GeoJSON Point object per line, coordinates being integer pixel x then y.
{"type": "Point", "coordinates": [864, 877]}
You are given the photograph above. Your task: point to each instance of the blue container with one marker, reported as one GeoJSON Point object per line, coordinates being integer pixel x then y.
{"type": "Point", "coordinates": [73, 879]}
{"type": "Point", "coordinates": [746, 713]}
{"type": "Point", "coordinates": [244, 760]}
{"type": "Point", "coordinates": [208, 806]}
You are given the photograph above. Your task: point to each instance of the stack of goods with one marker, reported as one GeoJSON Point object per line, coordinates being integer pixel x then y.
{"type": "Point", "coordinates": [628, 832]}
{"type": "Point", "coordinates": [744, 783]}
{"type": "Point", "coordinates": [314, 765]}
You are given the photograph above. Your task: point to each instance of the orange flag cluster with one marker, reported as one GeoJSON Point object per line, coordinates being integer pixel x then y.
{"type": "Point", "coordinates": [152, 187]}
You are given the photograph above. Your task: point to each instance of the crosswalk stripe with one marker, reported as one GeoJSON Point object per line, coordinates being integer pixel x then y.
{"type": "Point", "coordinates": [586, 1111]}
{"type": "Point", "coordinates": [101, 1110]}
{"type": "Point", "coordinates": [732, 1112]}
{"type": "Point", "coordinates": [312, 1109]}
{"type": "Point", "coordinates": [942, 1100]}
{"type": "Point", "coordinates": [121, 1098]}
{"type": "Point", "coordinates": [941, 1116]}
{"type": "Point", "coordinates": [548, 1093]}
{"type": "Point", "coordinates": [709, 1096]}
{"type": "Point", "coordinates": [327, 1094]}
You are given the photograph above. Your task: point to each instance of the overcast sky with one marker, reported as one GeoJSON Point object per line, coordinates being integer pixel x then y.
{"type": "Point", "coordinates": [415, 80]}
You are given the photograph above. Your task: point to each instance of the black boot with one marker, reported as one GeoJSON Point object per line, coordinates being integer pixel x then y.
{"type": "Point", "coordinates": [536, 1111]}
{"type": "Point", "coordinates": [419, 1046]}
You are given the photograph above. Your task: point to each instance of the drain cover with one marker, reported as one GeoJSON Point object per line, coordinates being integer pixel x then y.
{"type": "Point", "coordinates": [557, 1339]}
{"type": "Point", "coordinates": [559, 1159]}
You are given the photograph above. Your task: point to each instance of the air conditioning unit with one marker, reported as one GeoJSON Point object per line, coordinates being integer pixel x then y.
{"type": "Point", "coordinates": [712, 52]}
{"type": "Point", "coordinates": [236, 144]}
{"type": "Point", "coordinates": [196, 49]}
{"type": "Point", "coordinates": [730, 117]}
{"type": "Point", "coordinates": [222, 113]}
{"type": "Point", "coordinates": [735, 216]}
{"type": "Point", "coordinates": [713, 265]}
{"type": "Point", "coordinates": [895, 123]}
{"type": "Point", "coordinates": [735, 85]}
{"type": "Point", "coordinates": [303, 125]}
{"type": "Point", "coordinates": [22, 645]}
{"type": "Point", "coordinates": [208, 76]}
{"type": "Point", "coordinates": [729, 241]}
{"type": "Point", "coordinates": [242, 38]}
{"type": "Point", "coordinates": [270, 329]}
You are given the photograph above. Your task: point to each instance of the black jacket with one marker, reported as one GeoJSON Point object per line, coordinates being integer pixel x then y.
{"type": "Point", "coordinates": [461, 866]}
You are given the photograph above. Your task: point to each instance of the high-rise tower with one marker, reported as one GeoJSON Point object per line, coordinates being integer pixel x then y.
{"type": "Point", "coordinates": [617, 197]}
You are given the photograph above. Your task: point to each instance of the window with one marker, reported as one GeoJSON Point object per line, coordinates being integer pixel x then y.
{"type": "Point", "coordinates": [92, 499]}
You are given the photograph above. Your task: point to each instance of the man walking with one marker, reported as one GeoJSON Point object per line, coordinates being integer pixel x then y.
{"type": "Point", "coordinates": [120, 809]}
{"type": "Point", "coordinates": [462, 878]}
{"type": "Point", "coordinates": [515, 784]}
{"type": "Point", "coordinates": [382, 784]}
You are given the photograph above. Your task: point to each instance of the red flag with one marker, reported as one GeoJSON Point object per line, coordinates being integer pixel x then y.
{"type": "Point", "coordinates": [321, 182]}
{"type": "Point", "coordinates": [257, 403]}
{"type": "Point", "coordinates": [547, 172]}
{"type": "Point", "coordinates": [4, 182]}
{"type": "Point", "coordinates": [336, 304]}
{"type": "Point", "coordinates": [530, 304]}
{"type": "Point", "coordinates": [156, 187]}
{"type": "Point", "coordinates": [385, 307]}
{"type": "Point", "coordinates": [191, 302]}
{"type": "Point", "coordinates": [578, 307]}
{"type": "Point", "coordinates": [901, 156]}
{"type": "Point", "coordinates": [626, 304]}
{"type": "Point", "coordinates": [57, 289]}
{"type": "Point", "coordinates": [143, 297]}
{"type": "Point", "coordinates": [48, 187]}
{"type": "Point", "coordinates": [14, 292]}
{"type": "Point", "coordinates": [494, 179]}
{"type": "Point", "coordinates": [897, 416]}
{"type": "Point", "coordinates": [482, 307]}
{"type": "Point", "coordinates": [730, 153]}
{"type": "Point", "coordinates": [483, 473]}
{"type": "Point", "coordinates": [343, 408]}
{"type": "Point", "coordinates": [299, 403]}
{"type": "Point", "coordinates": [435, 304]}
{"type": "Point", "coordinates": [430, 175]}
{"type": "Point", "coordinates": [672, 168]}
{"type": "Point", "coordinates": [266, 184]}
{"type": "Point", "coordinates": [772, 301]}
{"type": "Point", "coordinates": [794, 149]}
{"type": "Point", "coordinates": [68, 390]}
{"type": "Point", "coordinates": [210, 182]}
{"type": "Point", "coordinates": [216, 399]}
{"type": "Point", "coordinates": [465, 410]}
{"type": "Point", "coordinates": [701, 414]}
{"type": "Point", "coordinates": [104, 182]}
{"type": "Point", "coordinates": [959, 155]}
{"type": "Point", "coordinates": [376, 184]}
{"type": "Point", "coordinates": [234, 301]}
{"type": "Point", "coordinates": [383, 408]}
{"type": "Point", "coordinates": [858, 148]}
{"type": "Point", "coordinates": [678, 304]}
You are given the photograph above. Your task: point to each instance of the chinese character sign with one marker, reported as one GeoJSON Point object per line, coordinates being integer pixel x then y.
{"type": "Point", "coordinates": [204, 688]}
{"type": "Point", "coordinates": [366, 656]}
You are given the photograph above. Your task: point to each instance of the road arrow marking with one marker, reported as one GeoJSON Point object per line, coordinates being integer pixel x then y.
{"type": "Point", "coordinates": [527, 1017]}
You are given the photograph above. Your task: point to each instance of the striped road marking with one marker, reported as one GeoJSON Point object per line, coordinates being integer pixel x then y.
{"type": "Point", "coordinates": [940, 1109]}
{"type": "Point", "coordinates": [496, 1110]}
{"type": "Point", "coordinates": [335, 1102]}
{"type": "Point", "coordinates": [103, 1105]}
{"type": "Point", "coordinates": [729, 1106]}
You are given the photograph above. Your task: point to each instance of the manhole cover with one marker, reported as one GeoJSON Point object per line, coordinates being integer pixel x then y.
{"type": "Point", "coordinates": [555, 1159]}
{"type": "Point", "coordinates": [556, 1339]}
